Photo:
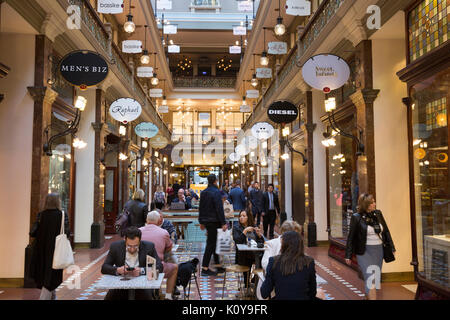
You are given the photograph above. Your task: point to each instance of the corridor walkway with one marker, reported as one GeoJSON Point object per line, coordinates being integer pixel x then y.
{"type": "Point", "coordinates": [338, 281]}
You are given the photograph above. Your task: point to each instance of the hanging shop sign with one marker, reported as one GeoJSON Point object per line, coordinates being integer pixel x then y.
{"type": "Point", "coordinates": [158, 142]}
{"type": "Point", "coordinates": [163, 109]}
{"type": "Point", "coordinates": [146, 130]}
{"type": "Point", "coordinates": [170, 29]}
{"type": "Point", "coordinates": [174, 48]}
{"type": "Point", "coordinates": [252, 94]}
{"type": "Point", "coordinates": [125, 110]}
{"type": "Point", "coordinates": [250, 141]}
{"type": "Point", "coordinates": [282, 112]}
{"type": "Point", "coordinates": [245, 108]}
{"type": "Point", "coordinates": [298, 7]}
{"type": "Point", "coordinates": [263, 73]}
{"type": "Point", "coordinates": [110, 6]}
{"type": "Point", "coordinates": [326, 72]}
{"type": "Point", "coordinates": [242, 150]}
{"type": "Point", "coordinates": [235, 49]}
{"type": "Point", "coordinates": [203, 174]}
{"type": "Point", "coordinates": [277, 47]}
{"type": "Point", "coordinates": [262, 130]}
{"type": "Point", "coordinates": [234, 157]}
{"type": "Point", "coordinates": [245, 6]}
{"type": "Point", "coordinates": [131, 46]}
{"type": "Point", "coordinates": [144, 72]}
{"type": "Point", "coordinates": [156, 93]}
{"type": "Point", "coordinates": [83, 69]}
{"type": "Point", "coordinates": [239, 31]}
{"type": "Point", "coordinates": [164, 4]}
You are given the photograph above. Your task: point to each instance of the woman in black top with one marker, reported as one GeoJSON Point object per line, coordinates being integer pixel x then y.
{"type": "Point", "coordinates": [368, 231]}
{"type": "Point", "coordinates": [291, 273]}
{"type": "Point", "coordinates": [45, 230]}
{"type": "Point", "coordinates": [138, 209]}
{"type": "Point", "coordinates": [243, 229]}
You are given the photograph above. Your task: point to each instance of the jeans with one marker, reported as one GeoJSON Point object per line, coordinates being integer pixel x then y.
{"type": "Point", "coordinates": [211, 240]}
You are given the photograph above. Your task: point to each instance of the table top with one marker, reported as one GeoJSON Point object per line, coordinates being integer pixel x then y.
{"type": "Point", "coordinates": [113, 282]}
{"type": "Point", "coordinates": [175, 247]}
{"type": "Point", "coordinates": [244, 247]}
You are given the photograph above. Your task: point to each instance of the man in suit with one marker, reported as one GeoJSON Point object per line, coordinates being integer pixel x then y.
{"type": "Point", "coordinates": [130, 256]}
{"type": "Point", "coordinates": [237, 197]}
{"type": "Point", "coordinates": [271, 210]}
{"type": "Point", "coordinates": [257, 201]}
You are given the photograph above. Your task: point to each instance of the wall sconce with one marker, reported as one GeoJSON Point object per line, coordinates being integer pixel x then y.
{"type": "Point", "coordinates": [165, 171]}
{"type": "Point", "coordinates": [145, 162]}
{"type": "Point", "coordinates": [123, 156]}
{"type": "Point", "coordinates": [172, 164]}
{"type": "Point", "coordinates": [284, 142]}
{"type": "Point", "coordinates": [165, 159]}
{"type": "Point", "coordinates": [80, 103]}
{"type": "Point", "coordinates": [156, 154]}
{"type": "Point", "coordinates": [79, 144]}
{"type": "Point", "coordinates": [122, 130]}
{"type": "Point", "coordinates": [286, 131]}
{"type": "Point", "coordinates": [144, 144]}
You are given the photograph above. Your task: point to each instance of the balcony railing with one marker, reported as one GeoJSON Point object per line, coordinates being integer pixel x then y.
{"type": "Point", "coordinates": [204, 82]}
{"type": "Point", "coordinates": [205, 5]}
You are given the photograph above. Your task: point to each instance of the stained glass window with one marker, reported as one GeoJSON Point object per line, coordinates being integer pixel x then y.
{"type": "Point", "coordinates": [436, 113]}
{"type": "Point", "coordinates": [428, 27]}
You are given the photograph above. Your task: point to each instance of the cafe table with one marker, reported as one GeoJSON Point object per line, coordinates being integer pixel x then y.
{"type": "Point", "coordinates": [109, 282]}
{"type": "Point", "coordinates": [252, 248]}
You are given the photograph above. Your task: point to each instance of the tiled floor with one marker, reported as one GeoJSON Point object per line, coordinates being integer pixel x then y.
{"type": "Point", "coordinates": [338, 281]}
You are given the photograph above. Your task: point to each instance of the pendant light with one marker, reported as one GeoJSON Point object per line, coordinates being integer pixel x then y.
{"type": "Point", "coordinates": [164, 102]}
{"type": "Point", "coordinates": [145, 58]}
{"type": "Point", "coordinates": [244, 103]}
{"type": "Point", "coordinates": [264, 60]}
{"type": "Point", "coordinates": [155, 79]}
{"type": "Point", "coordinates": [129, 26]}
{"type": "Point", "coordinates": [280, 28]}
{"type": "Point", "coordinates": [254, 81]}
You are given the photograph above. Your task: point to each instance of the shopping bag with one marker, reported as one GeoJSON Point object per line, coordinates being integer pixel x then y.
{"type": "Point", "coordinates": [63, 254]}
{"type": "Point", "coordinates": [224, 242]}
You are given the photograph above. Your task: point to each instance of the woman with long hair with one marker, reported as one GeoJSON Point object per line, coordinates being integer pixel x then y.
{"type": "Point", "coordinates": [159, 198]}
{"type": "Point", "coordinates": [368, 232]}
{"type": "Point", "coordinates": [292, 274]}
{"type": "Point", "coordinates": [242, 230]}
{"type": "Point", "coordinates": [46, 228]}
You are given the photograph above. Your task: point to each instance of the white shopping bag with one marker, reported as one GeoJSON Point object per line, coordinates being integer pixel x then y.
{"type": "Point", "coordinates": [63, 255]}
{"type": "Point", "coordinates": [224, 243]}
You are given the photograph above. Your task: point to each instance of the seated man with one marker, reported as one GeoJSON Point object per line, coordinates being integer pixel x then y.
{"type": "Point", "coordinates": [130, 253]}
{"type": "Point", "coordinates": [168, 226]}
{"type": "Point", "coordinates": [182, 198]}
{"type": "Point", "coordinates": [191, 195]}
{"type": "Point", "coordinates": [161, 239]}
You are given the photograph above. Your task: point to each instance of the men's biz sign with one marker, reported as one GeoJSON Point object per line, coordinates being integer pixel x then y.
{"type": "Point", "coordinates": [146, 130]}
{"type": "Point", "coordinates": [326, 72]}
{"type": "Point", "coordinates": [83, 68]}
{"type": "Point", "coordinates": [125, 110]}
{"type": "Point", "coordinates": [110, 6]}
{"type": "Point", "coordinates": [282, 112]}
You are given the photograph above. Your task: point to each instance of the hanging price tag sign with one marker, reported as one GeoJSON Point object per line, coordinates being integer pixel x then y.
{"type": "Point", "coordinates": [245, 6]}
{"type": "Point", "coordinates": [252, 94]}
{"type": "Point", "coordinates": [235, 50]}
{"type": "Point", "coordinates": [156, 93]}
{"type": "Point", "coordinates": [110, 6]}
{"type": "Point", "coordinates": [277, 48]}
{"type": "Point", "coordinates": [174, 48]}
{"type": "Point", "coordinates": [164, 4]}
{"type": "Point", "coordinates": [263, 73]}
{"type": "Point", "coordinates": [144, 72]}
{"type": "Point", "coordinates": [298, 7]}
{"type": "Point", "coordinates": [131, 46]}
{"type": "Point", "coordinates": [239, 31]}
{"type": "Point", "coordinates": [170, 29]}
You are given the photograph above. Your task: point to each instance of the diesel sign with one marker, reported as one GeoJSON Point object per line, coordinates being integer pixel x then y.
{"type": "Point", "coordinates": [282, 112]}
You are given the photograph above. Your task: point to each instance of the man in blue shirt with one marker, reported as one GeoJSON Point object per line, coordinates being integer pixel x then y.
{"type": "Point", "coordinates": [237, 197]}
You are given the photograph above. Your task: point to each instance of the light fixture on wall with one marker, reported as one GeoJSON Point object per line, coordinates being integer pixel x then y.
{"type": "Point", "coordinates": [122, 130]}
{"type": "Point", "coordinates": [144, 144]}
{"type": "Point", "coordinates": [79, 144]}
{"type": "Point", "coordinates": [156, 154]}
{"type": "Point", "coordinates": [145, 58]}
{"type": "Point", "coordinates": [123, 156]}
{"type": "Point", "coordinates": [80, 103]}
{"type": "Point", "coordinates": [264, 60]}
{"type": "Point", "coordinates": [284, 142]}
{"type": "Point", "coordinates": [280, 28]}
{"type": "Point", "coordinates": [145, 162]}
{"type": "Point", "coordinates": [129, 26]}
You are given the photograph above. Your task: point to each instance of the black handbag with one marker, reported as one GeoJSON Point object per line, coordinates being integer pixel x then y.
{"type": "Point", "coordinates": [388, 254]}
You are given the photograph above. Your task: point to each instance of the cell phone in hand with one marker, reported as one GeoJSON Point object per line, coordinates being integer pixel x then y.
{"type": "Point", "coordinates": [130, 268]}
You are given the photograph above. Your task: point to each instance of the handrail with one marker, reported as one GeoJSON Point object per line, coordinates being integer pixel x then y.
{"type": "Point", "coordinates": [313, 18]}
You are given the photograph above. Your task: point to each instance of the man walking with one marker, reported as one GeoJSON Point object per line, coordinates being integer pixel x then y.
{"type": "Point", "coordinates": [211, 217]}
{"type": "Point", "coordinates": [237, 197]}
{"type": "Point", "coordinates": [271, 210]}
{"type": "Point", "coordinates": [257, 201]}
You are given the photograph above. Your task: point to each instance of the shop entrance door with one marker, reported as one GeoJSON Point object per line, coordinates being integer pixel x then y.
{"type": "Point", "coordinates": [111, 199]}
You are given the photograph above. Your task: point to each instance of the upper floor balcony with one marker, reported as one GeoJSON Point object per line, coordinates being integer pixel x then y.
{"type": "Point", "coordinates": [205, 5]}
{"type": "Point", "coordinates": [205, 82]}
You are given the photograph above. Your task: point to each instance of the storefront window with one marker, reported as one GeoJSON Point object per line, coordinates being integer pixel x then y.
{"type": "Point", "coordinates": [60, 161]}
{"type": "Point", "coordinates": [132, 174]}
{"type": "Point", "coordinates": [430, 104]}
{"type": "Point", "coordinates": [343, 183]}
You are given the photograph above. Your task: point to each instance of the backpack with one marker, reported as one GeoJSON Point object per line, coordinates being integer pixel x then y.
{"type": "Point", "coordinates": [185, 271]}
{"type": "Point", "coordinates": [159, 197]}
{"type": "Point", "coordinates": [122, 221]}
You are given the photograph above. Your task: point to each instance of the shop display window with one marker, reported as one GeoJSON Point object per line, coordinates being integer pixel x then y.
{"type": "Point", "coordinates": [60, 162]}
{"type": "Point", "coordinates": [132, 174]}
{"type": "Point", "coordinates": [343, 183]}
{"type": "Point", "coordinates": [430, 105]}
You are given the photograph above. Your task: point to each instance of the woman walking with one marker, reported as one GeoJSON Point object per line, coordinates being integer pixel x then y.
{"type": "Point", "coordinates": [160, 198]}
{"type": "Point", "coordinates": [137, 209]}
{"type": "Point", "coordinates": [368, 232]}
{"type": "Point", "coordinates": [45, 230]}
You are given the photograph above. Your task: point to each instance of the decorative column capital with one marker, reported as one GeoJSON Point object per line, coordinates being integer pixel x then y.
{"type": "Point", "coordinates": [52, 26]}
{"type": "Point", "coordinates": [43, 94]}
{"type": "Point", "coordinates": [364, 96]}
{"type": "Point", "coordinates": [97, 126]}
{"type": "Point", "coordinates": [310, 127]}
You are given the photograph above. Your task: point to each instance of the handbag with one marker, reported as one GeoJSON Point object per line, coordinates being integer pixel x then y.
{"type": "Point", "coordinates": [121, 223]}
{"type": "Point", "coordinates": [224, 242]}
{"type": "Point", "coordinates": [388, 254]}
{"type": "Point", "coordinates": [63, 255]}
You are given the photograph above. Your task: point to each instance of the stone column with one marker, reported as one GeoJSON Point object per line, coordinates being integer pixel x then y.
{"type": "Point", "coordinates": [98, 225]}
{"type": "Point", "coordinates": [195, 70]}
{"type": "Point", "coordinates": [213, 70]}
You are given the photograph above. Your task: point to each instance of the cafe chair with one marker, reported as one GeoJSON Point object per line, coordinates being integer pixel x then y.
{"type": "Point", "coordinates": [237, 269]}
{"type": "Point", "coordinates": [187, 271]}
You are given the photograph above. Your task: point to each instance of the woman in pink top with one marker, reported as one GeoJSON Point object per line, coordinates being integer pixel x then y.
{"type": "Point", "coordinates": [161, 239]}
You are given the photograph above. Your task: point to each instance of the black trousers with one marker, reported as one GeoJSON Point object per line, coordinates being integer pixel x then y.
{"type": "Point", "coordinates": [257, 217]}
{"type": "Point", "coordinates": [269, 220]}
{"type": "Point", "coordinates": [159, 205]}
{"type": "Point", "coordinates": [211, 240]}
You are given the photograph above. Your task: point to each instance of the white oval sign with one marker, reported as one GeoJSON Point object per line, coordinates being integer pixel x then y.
{"type": "Point", "coordinates": [250, 141]}
{"type": "Point", "coordinates": [146, 130]}
{"type": "Point", "coordinates": [234, 157]}
{"type": "Point", "coordinates": [242, 150]}
{"type": "Point", "coordinates": [262, 130]}
{"type": "Point", "coordinates": [326, 72]}
{"type": "Point", "coordinates": [132, 46]}
{"type": "Point", "coordinates": [125, 110]}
